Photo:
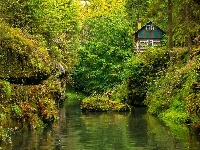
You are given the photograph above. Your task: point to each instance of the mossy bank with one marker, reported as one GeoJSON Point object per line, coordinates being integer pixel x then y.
{"type": "Point", "coordinates": [167, 85]}
{"type": "Point", "coordinates": [175, 95]}
{"type": "Point", "coordinates": [30, 82]}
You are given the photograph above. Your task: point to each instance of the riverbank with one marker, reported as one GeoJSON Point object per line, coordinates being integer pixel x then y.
{"type": "Point", "coordinates": [175, 95]}
{"type": "Point", "coordinates": [116, 130]}
{"type": "Point", "coordinates": [31, 82]}
{"type": "Point", "coordinates": [169, 86]}
{"type": "Point", "coordinates": [38, 50]}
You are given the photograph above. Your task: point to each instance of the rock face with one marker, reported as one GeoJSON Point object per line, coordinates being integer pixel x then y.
{"type": "Point", "coordinates": [30, 79]}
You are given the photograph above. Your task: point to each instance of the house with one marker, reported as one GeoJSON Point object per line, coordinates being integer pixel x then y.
{"type": "Point", "coordinates": [147, 35]}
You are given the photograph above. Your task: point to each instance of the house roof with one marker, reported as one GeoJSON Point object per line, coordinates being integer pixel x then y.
{"type": "Point", "coordinates": [149, 22]}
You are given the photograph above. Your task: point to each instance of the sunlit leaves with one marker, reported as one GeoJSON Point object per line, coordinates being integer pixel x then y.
{"type": "Point", "coordinates": [156, 11]}
{"type": "Point", "coordinates": [54, 24]}
{"type": "Point", "coordinates": [106, 44]}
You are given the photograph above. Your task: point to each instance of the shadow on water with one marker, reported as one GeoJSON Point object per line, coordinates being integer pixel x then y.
{"type": "Point", "coordinates": [76, 130]}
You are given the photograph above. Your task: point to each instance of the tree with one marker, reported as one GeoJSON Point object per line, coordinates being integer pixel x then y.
{"type": "Point", "coordinates": [55, 24]}
{"type": "Point", "coordinates": [106, 44]}
{"type": "Point", "coordinates": [181, 20]}
{"type": "Point", "coordinates": [186, 24]}
{"type": "Point", "coordinates": [187, 21]}
{"type": "Point", "coordinates": [136, 11]}
{"type": "Point", "coordinates": [170, 26]}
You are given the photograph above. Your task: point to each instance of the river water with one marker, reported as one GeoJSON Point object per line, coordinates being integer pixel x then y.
{"type": "Point", "coordinates": [76, 130]}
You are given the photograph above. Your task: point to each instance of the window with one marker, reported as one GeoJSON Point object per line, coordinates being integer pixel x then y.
{"type": "Point", "coordinates": [149, 27]}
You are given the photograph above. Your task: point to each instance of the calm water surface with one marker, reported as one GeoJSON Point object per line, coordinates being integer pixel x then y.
{"type": "Point", "coordinates": [106, 131]}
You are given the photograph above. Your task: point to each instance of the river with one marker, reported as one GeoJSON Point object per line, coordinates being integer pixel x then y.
{"type": "Point", "coordinates": [76, 130]}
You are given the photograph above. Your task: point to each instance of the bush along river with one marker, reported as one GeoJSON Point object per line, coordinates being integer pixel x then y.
{"type": "Point", "coordinates": [77, 130]}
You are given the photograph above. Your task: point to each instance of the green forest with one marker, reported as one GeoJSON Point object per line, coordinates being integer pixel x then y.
{"type": "Point", "coordinates": [48, 45]}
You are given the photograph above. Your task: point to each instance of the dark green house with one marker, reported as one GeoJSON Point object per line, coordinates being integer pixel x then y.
{"type": "Point", "coordinates": [148, 35]}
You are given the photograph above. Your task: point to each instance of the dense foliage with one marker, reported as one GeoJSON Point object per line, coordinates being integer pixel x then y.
{"type": "Point", "coordinates": [106, 44]}
{"type": "Point", "coordinates": [38, 51]}
{"type": "Point", "coordinates": [108, 65]}
{"type": "Point", "coordinates": [142, 70]}
{"type": "Point", "coordinates": [44, 43]}
{"type": "Point", "coordinates": [175, 96]}
{"type": "Point", "coordinates": [54, 24]}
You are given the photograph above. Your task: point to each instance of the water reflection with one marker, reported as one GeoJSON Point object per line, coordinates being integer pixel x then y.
{"type": "Point", "coordinates": [106, 131]}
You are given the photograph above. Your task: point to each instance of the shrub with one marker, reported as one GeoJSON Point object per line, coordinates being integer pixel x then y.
{"type": "Point", "coordinates": [173, 95]}
{"type": "Point", "coordinates": [98, 103]}
{"type": "Point", "coordinates": [141, 72]}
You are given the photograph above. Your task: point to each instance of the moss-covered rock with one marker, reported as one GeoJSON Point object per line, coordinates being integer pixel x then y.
{"type": "Point", "coordinates": [30, 105]}
{"type": "Point", "coordinates": [36, 57]}
{"type": "Point", "coordinates": [21, 56]}
{"type": "Point", "coordinates": [102, 104]}
{"type": "Point", "coordinates": [30, 80]}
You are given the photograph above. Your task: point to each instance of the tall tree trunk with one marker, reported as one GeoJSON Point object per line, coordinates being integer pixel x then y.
{"type": "Point", "coordinates": [187, 20]}
{"type": "Point", "coordinates": [170, 26]}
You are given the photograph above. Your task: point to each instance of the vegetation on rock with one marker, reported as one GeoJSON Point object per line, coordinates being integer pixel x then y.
{"type": "Point", "coordinates": [142, 70]}
{"type": "Point", "coordinates": [22, 56]}
{"type": "Point", "coordinates": [175, 95]}
{"type": "Point", "coordinates": [37, 52]}
{"type": "Point", "coordinates": [103, 104]}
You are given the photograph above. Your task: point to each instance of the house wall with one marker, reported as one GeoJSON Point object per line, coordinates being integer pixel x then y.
{"type": "Point", "coordinates": [143, 44]}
